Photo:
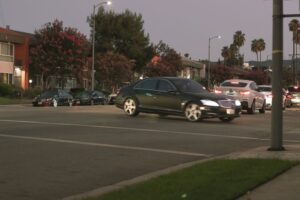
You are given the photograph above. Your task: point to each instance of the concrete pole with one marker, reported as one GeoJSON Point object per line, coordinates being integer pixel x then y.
{"type": "Point", "coordinates": [277, 52]}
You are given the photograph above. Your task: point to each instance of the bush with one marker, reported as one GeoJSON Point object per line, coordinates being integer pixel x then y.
{"type": "Point", "coordinates": [10, 91]}
{"type": "Point", "coordinates": [32, 92]}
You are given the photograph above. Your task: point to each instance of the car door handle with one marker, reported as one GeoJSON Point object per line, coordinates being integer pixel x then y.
{"type": "Point", "coordinates": [149, 94]}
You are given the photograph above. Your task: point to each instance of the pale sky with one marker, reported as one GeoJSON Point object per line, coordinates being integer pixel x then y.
{"type": "Point", "coordinates": [184, 25]}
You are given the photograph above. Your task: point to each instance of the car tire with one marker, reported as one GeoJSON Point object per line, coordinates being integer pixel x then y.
{"type": "Point", "coordinates": [263, 109]}
{"type": "Point", "coordinates": [192, 112]}
{"type": "Point", "coordinates": [226, 119]}
{"type": "Point", "coordinates": [251, 110]}
{"type": "Point", "coordinates": [130, 107]}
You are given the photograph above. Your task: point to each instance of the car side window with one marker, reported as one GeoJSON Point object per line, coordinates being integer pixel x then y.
{"type": "Point", "coordinates": [165, 86]}
{"type": "Point", "coordinates": [147, 84]}
{"type": "Point", "coordinates": [253, 86]}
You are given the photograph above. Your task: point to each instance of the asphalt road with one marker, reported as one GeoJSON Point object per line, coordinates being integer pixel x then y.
{"type": "Point", "coordinates": [51, 153]}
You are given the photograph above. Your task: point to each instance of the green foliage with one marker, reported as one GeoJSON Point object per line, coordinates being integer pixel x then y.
{"type": "Point", "coordinates": [112, 70]}
{"type": "Point", "coordinates": [10, 90]}
{"type": "Point", "coordinates": [231, 54]}
{"type": "Point", "coordinates": [124, 34]}
{"type": "Point", "coordinates": [257, 46]}
{"type": "Point", "coordinates": [168, 63]}
{"type": "Point", "coordinates": [58, 51]}
{"type": "Point", "coordinates": [32, 92]}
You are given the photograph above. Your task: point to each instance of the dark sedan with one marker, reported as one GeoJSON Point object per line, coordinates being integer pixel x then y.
{"type": "Point", "coordinates": [54, 97]}
{"type": "Point", "coordinates": [176, 96]}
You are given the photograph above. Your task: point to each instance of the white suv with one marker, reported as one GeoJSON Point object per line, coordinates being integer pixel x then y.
{"type": "Point", "coordinates": [246, 92]}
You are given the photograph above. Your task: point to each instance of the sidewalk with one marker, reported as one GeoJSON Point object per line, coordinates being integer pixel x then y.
{"type": "Point", "coordinates": [283, 187]}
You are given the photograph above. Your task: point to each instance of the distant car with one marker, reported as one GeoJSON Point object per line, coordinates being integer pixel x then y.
{"type": "Point", "coordinates": [111, 98]}
{"type": "Point", "coordinates": [176, 96]}
{"type": "Point", "coordinates": [293, 96]}
{"type": "Point", "coordinates": [82, 98]}
{"type": "Point", "coordinates": [244, 91]}
{"type": "Point", "coordinates": [267, 91]}
{"type": "Point", "coordinates": [54, 97]}
{"type": "Point", "coordinates": [98, 97]}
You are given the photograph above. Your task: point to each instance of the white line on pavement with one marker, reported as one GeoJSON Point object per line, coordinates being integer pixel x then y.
{"type": "Point", "coordinates": [147, 130]}
{"type": "Point", "coordinates": [105, 145]}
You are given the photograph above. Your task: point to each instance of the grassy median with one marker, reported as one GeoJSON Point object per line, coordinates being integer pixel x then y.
{"type": "Point", "coordinates": [212, 180]}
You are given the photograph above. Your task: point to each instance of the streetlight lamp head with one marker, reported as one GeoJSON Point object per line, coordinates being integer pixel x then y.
{"type": "Point", "coordinates": [108, 2]}
{"type": "Point", "coordinates": [219, 37]}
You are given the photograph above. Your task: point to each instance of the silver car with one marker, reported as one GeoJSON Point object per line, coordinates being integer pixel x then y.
{"type": "Point", "coordinates": [246, 92]}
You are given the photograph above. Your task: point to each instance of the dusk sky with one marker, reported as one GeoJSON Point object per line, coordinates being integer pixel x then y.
{"type": "Point", "coordinates": [184, 25]}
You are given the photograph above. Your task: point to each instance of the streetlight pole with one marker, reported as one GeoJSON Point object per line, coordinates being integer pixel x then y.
{"type": "Point", "coordinates": [208, 69]}
{"type": "Point", "coordinates": [93, 40]}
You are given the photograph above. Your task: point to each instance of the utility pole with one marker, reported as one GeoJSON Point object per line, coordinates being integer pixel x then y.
{"type": "Point", "coordinates": [277, 56]}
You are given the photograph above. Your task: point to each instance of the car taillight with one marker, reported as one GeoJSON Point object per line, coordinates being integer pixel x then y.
{"type": "Point", "coordinates": [245, 92]}
{"type": "Point", "coordinates": [217, 91]}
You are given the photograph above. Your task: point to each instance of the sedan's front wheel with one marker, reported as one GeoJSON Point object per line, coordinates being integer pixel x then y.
{"type": "Point", "coordinates": [130, 107]}
{"type": "Point", "coordinates": [192, 112]}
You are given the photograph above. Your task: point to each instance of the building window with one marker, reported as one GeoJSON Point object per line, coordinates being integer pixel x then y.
{"type": "Point", "coordinates": [6, 52]}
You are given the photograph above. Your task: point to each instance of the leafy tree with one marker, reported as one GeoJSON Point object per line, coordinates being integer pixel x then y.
{"type": "Point", "coordinates": [257, 46]}
{"type": "Point", "coordinates": [168, 64]}
{"type": "Point", "coordinates": [226, 55]}
{"type": "Point", "coordinates": [124, 34]}
{"type": "Point", "coordinates": [58, 51]}
{"type": "Point", "coordinates": [294, 27]}
{"type": "Point", "coordinates": [231, 54]}
{"type": "Point", "coordinates": [238, 41]}
{"type": "Point", "coordinates": [113, 70]}
{"type": "Point", "coordinates": [219, 73]}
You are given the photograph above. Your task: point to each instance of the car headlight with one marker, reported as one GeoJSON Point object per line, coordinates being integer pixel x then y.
{"type": "Point", "coordinates": [209, 103]}
{"type": "Point", "coordinates": [237, 103]}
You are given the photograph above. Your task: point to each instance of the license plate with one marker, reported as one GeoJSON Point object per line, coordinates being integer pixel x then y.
{"type": "Point", "coordinates": [39, 103]}
{"type": "Point", "coordinates": [230, 111]}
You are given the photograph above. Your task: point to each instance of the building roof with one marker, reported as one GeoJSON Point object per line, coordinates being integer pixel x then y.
{"type": "Point", "coordinates": [191, 63]}
{"type": "Point", "coordinates": [7, 35]}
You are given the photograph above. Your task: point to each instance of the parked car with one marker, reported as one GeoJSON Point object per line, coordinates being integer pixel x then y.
{"type": "Point", "coordinates": [98, 97]}
{"type": "Point", "coordinates": [111, 98]}
{"type": "Point", "coordinates": [293, 96]}
{"type": "Point", "coordinates": [54, 97]}
{"type": "Point", "coordinates": [244, 91]}
{"type": "Point", "coordinates": [82, 98]}
{"type": "Point", "coordinates": [267, 91]}
{"type": "Point", "coordinates": [176, 96]}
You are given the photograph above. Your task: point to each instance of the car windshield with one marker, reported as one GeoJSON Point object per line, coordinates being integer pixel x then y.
{"type": "Point", "coordinates": [189, 86]}
{"type": "Point", "coordinates": [234, 84]}
{"type": "Point", "coordinates": [48, 94]}
{"type": "Point", "coordinates": [264, 89]}
{"type": "Point", "coordinates": [294, 89]}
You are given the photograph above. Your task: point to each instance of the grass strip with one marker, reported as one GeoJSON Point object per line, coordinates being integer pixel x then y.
{"type": "Point", "coordinates": [221, 179]}
{"type": "Point", "coordinates": [8, 101]}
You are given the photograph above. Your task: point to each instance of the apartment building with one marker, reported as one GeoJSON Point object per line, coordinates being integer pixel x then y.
{"type": "Point", "coordinates": [14, 57]}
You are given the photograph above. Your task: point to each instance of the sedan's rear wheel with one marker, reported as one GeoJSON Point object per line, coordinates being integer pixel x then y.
{"type": "Point", "coordinates": [130, 107]}
{"type": "Point", "coordinates": [192, 112]}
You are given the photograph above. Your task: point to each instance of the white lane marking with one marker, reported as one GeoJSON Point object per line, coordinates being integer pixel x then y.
{"type": "Point", "coordinates": [148, 130]}
{"type": "Point", "coordinates": [105, 145]}
{"type": "Point", "coordinates": [140, 129]}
